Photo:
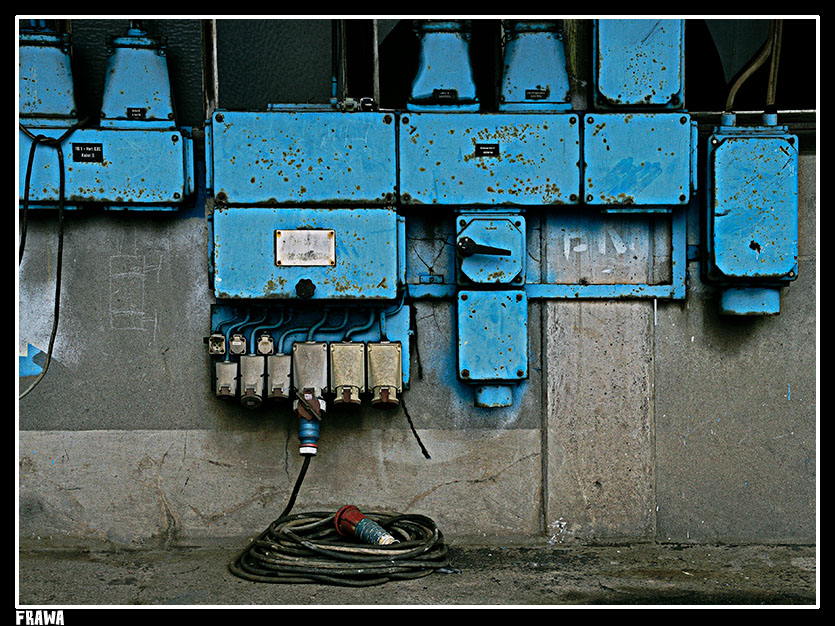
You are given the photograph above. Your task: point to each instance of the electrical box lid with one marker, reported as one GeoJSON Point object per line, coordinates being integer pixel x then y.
{"type": "Point", "coordinates": [492, 335]}
{"type": "Point", "coordinates": [754, 205]}
{"type": "Point", "coordinates": [489, 159]}
{"type": "Point", "coordinates": [637, 159]}
{"type": "Point", "coordinates": [303, 157]}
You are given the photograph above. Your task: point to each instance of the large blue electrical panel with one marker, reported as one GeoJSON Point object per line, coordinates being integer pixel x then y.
{"type": "Point", "coordinates": [309, 205]}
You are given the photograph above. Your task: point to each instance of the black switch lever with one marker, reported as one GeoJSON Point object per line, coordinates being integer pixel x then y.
{"type": "Point", "coordinates": [467, 247]}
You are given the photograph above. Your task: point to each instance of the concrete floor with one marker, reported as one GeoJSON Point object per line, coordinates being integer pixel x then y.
{"type": "Point", "coordinates": [507, 575]}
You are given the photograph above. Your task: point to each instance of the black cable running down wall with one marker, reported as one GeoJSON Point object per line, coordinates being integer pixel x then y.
{"type": "Point", "coordinates": [58, 145]}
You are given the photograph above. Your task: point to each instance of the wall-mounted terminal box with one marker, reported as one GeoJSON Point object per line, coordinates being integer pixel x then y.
{"type": "Point", "coordinates": [498, 159]}
{"type": "Point", "coordinates": [133, 158]}
{"type": "Point", "coordinates": [639, 161]}
{"type": "Point", "coordinates": [492, 343]}
{"type": "Point", "coordinates": [639, 63]}
{"type": "Point", "coordinates": [752, 214]}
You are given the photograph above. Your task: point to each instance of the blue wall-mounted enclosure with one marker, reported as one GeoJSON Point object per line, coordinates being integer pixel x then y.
{"type": "Point", "coordinates": [752, 215]}
{"type": "Point", "coordinates": [133, 157]}
{"type": "Point", "coordinates": [507, 159]}
{"type": "Point", "coordinates": [639, 63]}
{"type": "Point", "coordinates": [638, 159]}
{"type": "Point", "coordinates": [300, 156]}
{"type": "Point", "coordinates": [307, 253]}
{"type": "Point", "coordinates": [492, 343]}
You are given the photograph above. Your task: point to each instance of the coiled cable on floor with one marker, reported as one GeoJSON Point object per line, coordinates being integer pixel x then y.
{"type": "Point", "coordinates": [306, 548]}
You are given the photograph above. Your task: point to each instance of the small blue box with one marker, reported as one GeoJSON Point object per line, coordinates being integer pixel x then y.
{"type": "Point", "coordinates": [492, 336]}
{"type": "Point", "coordinates": [752, 204]}
{"type": "Point", "coordinates": [639, 63]}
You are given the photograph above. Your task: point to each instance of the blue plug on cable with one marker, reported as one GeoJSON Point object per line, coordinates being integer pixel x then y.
{"type": "Point", "coordinates": [309, 410]}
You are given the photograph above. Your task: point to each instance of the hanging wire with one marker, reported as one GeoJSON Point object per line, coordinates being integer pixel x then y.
{"type": "Point", "coordinates": [58, 264]}
{"type": "Point", "coordinates": [755, 64]}
{"type": "Point", "coordinates": [771, 97]}
{"type": "Point", "coordinates": [58, 145]}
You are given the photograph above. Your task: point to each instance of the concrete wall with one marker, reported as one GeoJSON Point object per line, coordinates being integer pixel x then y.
{"type": "Point", "coordinates": [642, 419]}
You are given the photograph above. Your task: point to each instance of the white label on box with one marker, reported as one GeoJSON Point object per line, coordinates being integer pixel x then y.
{"type": "Point", "coordinates": [305, 247]}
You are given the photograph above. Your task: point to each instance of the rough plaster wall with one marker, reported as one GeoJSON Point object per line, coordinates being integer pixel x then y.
{"type": "Point", "coordinates": [735, 409]}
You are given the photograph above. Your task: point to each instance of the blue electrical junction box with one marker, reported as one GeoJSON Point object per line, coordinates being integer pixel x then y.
{"type": "Point", "coordinates": [307, 253]}
{"type": "Point", "coordinates": [752, 214]}
{"type": "Point", "coordinates": [639, 63]}
{"type": "Point", "coordinates": [133, 157]}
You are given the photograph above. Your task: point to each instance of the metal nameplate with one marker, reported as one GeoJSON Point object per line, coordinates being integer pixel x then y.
{"type": "Point", "coordinates": [305, 247]}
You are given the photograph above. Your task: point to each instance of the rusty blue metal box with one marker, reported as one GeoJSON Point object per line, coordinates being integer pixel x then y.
{"type": "Point", "coordinates": [639, 63]}
{"type": "Point", "coordinates": [298, 157]}
{"type": "Point", "coordinates": [638, 159]}
{"type": "Point", "coordinates": [306, 253]}
{"type": "Point", "coordinates": [121, 169]}
{"type": "Point", "coordinates": [752, 214]}
{"type": "Point", "coordinates": [506, 159]}
{"type": "Point", "coordinates": [492, 336]}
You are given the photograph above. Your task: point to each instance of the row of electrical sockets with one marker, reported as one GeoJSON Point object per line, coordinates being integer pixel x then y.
{"type": "Point", "coordinates": [345, 371]}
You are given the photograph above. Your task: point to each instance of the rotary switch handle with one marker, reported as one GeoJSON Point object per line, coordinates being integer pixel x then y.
{"type": "Point", "coordinates": [466, 247]}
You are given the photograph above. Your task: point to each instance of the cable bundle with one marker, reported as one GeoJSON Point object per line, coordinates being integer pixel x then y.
{"type": "Point", "coordinates": [306, 548]}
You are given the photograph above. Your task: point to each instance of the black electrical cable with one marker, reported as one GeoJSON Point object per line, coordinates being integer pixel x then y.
{"type": "Point", "coordinates": [762, 55]}
{"type": "Point", "coordinates": [58, 263]}
{"type": "Point", "coordinates": [26, 185]}
{"type": "Point", "coordinates": [58, 145]}
{"type": "Point", "coordinates": [414, 431]}
{"type": "Point", "coordinates": [306, 548]}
